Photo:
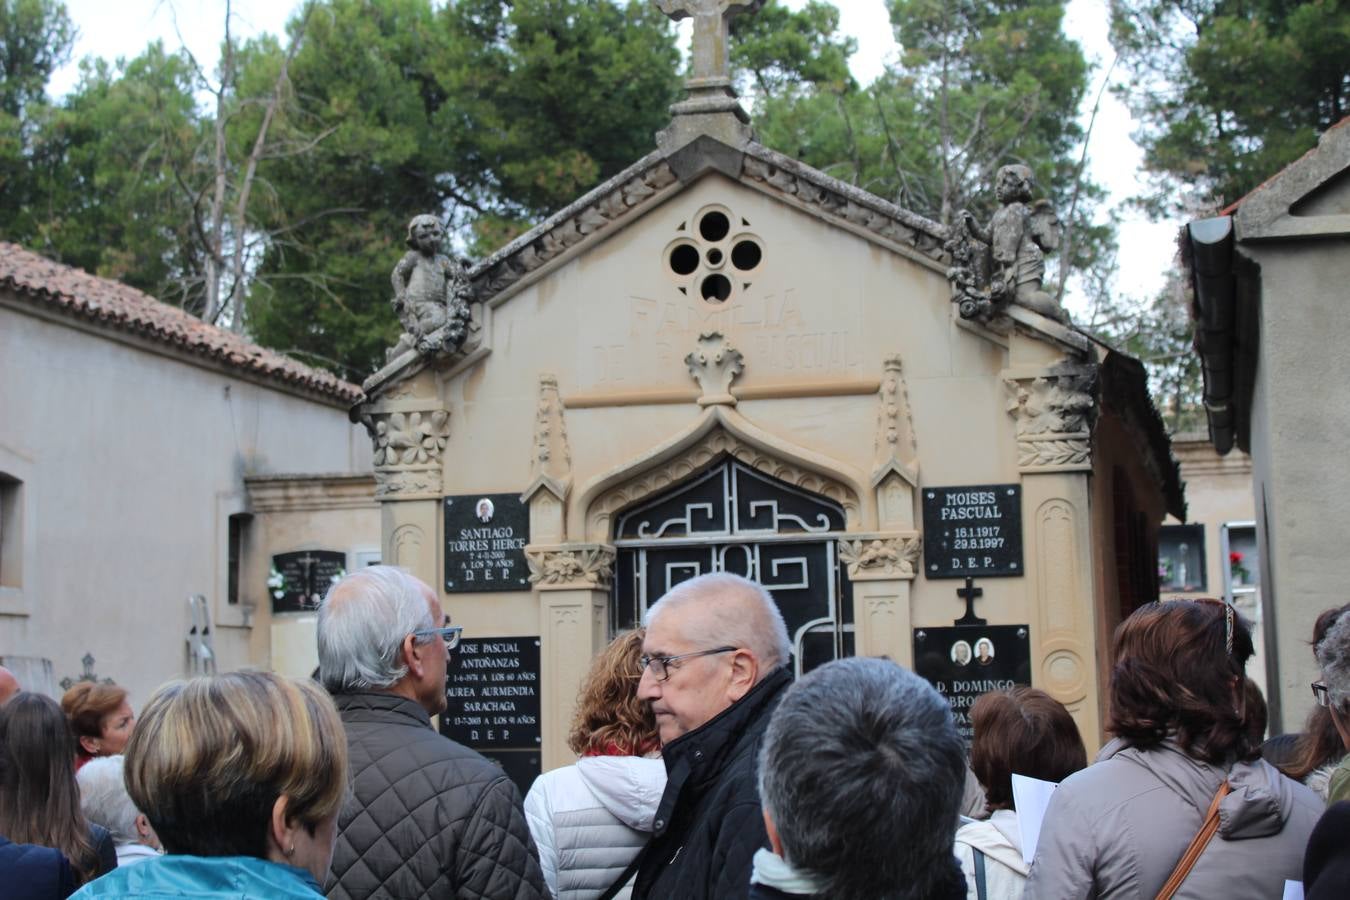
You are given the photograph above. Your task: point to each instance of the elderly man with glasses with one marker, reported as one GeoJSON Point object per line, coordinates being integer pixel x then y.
{"type": "Point", "coordinates": [1333, 692]}
{"type": "Point", "coordinates": [715, 659]}
{"type": "Point", "coordinates": [427, 817]}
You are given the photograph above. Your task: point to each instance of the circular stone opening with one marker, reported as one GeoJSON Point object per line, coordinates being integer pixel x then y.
{"type": "Point", "coordinates": [714, 257]}
{"type": "Point", "coordinates": [683, 259]}
{"type": "Point", "coordinates": [746, 255]}
{"type": "Point", "coordinates": [716, 288]}
{"type": "Point", "coordinates": [714, 226]}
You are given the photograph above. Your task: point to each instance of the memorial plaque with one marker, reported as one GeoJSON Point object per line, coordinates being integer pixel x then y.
{"type": "Point", "coordinates": [973, 531]}
{"type": "Point", "coordinates": [485, 538]}
{"type": "Point", "coordinates": [298, 581]}
{"type": "Point", "coordinates": [965, 662]}
{"type": "Point", "coordinates": [492, 703]}
{"type": "Point", "coordinates": [492, 694]}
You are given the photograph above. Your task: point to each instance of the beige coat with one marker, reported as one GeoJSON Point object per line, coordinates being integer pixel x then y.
{"type": "Point", "coordinates": [1117, 828]}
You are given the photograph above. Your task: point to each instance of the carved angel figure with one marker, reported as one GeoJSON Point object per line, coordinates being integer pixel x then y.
{"type": "Point", "coordinates": [431, 292]}
{"type": "Point", "coordinates": [1005, 263]}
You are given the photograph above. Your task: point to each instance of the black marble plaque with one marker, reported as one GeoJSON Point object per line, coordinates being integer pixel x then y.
{"type": "Point", "coordinates": [973, 530]}
{"type": "Point", "coordinates": [485, 538]}
{"type": "Point", "coordinates": [298, 581]}
{"type": "Point", "coordinates": [492, 694]}
{"type": "Point", "coordinates": [965, 662]}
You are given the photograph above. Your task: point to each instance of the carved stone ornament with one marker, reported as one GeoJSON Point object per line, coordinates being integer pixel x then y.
{"type": "Point", "coordinates": [804, 187]}
{"type": "Point", "coordinates": [714, 363]}
{"type": "Point", "coordinates": [431, 293]}
{"type": "Point", "coordinates": [408, 448]}
{"type": "Point", "coordinates": [597, 211]}
{"type": "Point", "coordinates": [1055, 414]}
{"type": "Point", "coordinates": [551, 464]}
{"type": "Point", "coordinates": [895, 448]}
{"type": "Point", "coordinates": [571, 567]}
{"type": "Point", "coordinates": [1005, 263]}
{"type": "Point", "coordinates": [881, 556]}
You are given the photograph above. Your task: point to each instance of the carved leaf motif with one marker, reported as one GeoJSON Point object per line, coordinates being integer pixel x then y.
{"type": "Point", "coordinates": [1054, 453]}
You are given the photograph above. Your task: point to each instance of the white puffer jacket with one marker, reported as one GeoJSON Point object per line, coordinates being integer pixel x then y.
{"type": "Point", "coordinates": [1000, 840]}
{"type": "Point", "coordinates": [590, 819]}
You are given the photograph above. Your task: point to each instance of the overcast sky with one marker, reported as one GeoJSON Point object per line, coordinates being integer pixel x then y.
{"type": "Point", "coordinates": [122, 29]}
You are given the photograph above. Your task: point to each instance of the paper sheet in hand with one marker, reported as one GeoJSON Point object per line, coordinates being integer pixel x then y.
{"type": "Point", "coordinates": [1032, 796]}
{"type": "Point", "coordinates": [1293, 890]}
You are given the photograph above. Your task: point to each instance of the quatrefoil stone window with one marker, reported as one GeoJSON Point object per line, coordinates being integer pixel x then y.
{"type": "Point", "coordinates": [715, 257]}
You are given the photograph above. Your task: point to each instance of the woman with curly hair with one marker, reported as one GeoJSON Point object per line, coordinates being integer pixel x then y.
{"type": "Point", "coordinates": [589, 820]}
{"type": "Point", "coordinates": [1182, 758]}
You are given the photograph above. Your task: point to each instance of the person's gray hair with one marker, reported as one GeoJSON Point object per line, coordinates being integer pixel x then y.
{"type": "Point", "coordinates": [862, 772]}
{"type": "Point", "coordinates": [362, 623]}
{"type": "Point", "coordinates": [735, 612]}
{"type": "Point", "coordinates": [1333, 657]}
{"type": "Point", "coordinates": [104, 799]}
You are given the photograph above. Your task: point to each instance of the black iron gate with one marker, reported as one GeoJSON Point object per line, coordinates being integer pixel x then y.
{"type": "Point", "coordinates": [735, 519]}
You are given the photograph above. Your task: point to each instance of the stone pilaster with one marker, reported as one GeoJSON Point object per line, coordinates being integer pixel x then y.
{"type": "Point", "coordinates": [881, 567]}
{"type": "Point", "coordinates": [571, 582]}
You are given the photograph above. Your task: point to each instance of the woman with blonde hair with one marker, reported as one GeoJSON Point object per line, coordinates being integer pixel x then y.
{"type": "Point", "coordinates": [589, 820]}
{"type": "Point", "coordinates": [242, 776]}
{"type": "Point", "coordinates": [101, 717]}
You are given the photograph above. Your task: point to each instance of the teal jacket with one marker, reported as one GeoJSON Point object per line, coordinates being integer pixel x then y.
{"type": "Point", "coordinates": [233, 877]}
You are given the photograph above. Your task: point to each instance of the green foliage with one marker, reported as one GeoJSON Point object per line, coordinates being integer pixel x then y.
{"type": "Point", "coordinates": [1228, 92]}
{"type": "Point", "coordinates": [783, 50]}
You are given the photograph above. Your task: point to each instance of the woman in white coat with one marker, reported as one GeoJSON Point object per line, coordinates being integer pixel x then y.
{"type": "Point", "coordinates": [1022, 730]}
{"type": "Point", "coordinates": [590, 819]}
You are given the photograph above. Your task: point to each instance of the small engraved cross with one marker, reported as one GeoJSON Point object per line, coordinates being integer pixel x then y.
{"type": "Point", "coordinates": [969, 593]}
{"type": "Point", "coordinates": [712, 26]}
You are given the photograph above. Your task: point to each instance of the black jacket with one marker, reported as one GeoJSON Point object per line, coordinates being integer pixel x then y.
{"type": "Point", "coordinates": [427, 817]}
{"type": "Point", "coordinates": [709, 825]}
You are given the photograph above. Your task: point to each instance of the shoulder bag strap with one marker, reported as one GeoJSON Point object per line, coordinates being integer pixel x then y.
{"type": "Point", "coordinates": [1198, 843]}
{"type": "Point", "coordinates": [627, 875]}
{"type": "Point", "coordinates": [981, 891]}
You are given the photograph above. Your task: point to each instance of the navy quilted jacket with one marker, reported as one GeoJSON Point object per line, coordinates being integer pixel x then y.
{"type": "Point", "coordinates": [427, 817]}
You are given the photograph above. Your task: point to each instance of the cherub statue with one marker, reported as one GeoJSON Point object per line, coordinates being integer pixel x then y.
{"type": "Point", "coordinates": [1014, 247]}
{"type": "Point", "coordinates": [431, 292]}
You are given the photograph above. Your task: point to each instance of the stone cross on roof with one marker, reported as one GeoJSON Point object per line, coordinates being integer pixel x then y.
{"type": "Point", "coordinates": [712, 26]}
{"type": "Point", "coordinates": [711, 107]}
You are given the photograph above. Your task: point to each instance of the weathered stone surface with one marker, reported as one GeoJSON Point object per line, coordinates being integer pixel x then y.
{"type": "Point", "coordinates": [431, 293]}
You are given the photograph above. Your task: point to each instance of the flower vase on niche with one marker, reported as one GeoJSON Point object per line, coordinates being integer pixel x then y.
{"type": "Point", "coordinates": [1237, 570]}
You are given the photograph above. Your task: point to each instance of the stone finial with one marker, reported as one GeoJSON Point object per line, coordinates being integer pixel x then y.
{"type": "Point", "coordinates": [551, 461]}
{"type": "Point", "coordinates": [1005, 263]}
{"type": "Point", "coordinates": [711, 106]}
{"type": "Point", "coordinates": [895, 448]}
{"type": "Point", "coordinates": [714, 363]}
{"type": "Point", "coordinates": [431, 293]}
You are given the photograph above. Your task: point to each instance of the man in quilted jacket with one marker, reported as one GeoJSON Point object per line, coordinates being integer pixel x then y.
{"type": "Point", "coordinates": [427, 816]}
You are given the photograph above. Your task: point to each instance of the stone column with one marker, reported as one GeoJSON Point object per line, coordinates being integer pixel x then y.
{"type": "Point", "coordinates": [1054, 412]}
{"type": "Point", "coordinates": [881, 567]}
{"type": "Point", "coordinates": [571, 582]}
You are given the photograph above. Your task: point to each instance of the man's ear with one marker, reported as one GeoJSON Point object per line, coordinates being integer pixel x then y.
{"type": "Point", "coordinates": [744, 674]}
{"type": "Point", "coordinates": [413, 656]}
{"type": "Point", "coordinates": [775, 842]}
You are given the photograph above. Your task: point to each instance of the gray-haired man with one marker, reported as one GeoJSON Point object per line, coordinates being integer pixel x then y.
{"type": "Point", "coordinates": [427, 817]}
{"type": "Point", "coordinates": [716, 652]}
{"type": "Point", "coordinates": [861, 775]}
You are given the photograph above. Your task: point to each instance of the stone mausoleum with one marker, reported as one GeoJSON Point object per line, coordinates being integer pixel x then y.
{"type": "Point", "coordinates": [722, 359]}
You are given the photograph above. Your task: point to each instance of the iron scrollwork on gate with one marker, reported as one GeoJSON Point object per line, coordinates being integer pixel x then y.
{"type": "Point", "coordinates": [732, 518]}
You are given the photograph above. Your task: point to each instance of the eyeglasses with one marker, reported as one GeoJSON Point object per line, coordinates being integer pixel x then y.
{"type": "Point", "coordinates": [450, 634]}
{"type": "Point", "coordinates": [661, 665]}
{"type": "Point", "coordinates": [1320, 694]}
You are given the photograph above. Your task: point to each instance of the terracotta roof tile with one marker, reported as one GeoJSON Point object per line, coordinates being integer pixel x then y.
{"type": "Point", "coordinates": [117, 306]}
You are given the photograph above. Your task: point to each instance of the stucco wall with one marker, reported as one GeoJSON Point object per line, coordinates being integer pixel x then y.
{"type": "Point", "coordinates": [131, 462]}
{"type": "Point", "coordinates": [1300, 418]}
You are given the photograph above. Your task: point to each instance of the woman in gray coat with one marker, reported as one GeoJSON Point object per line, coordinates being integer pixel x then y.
{"type": "Point", "coordinates": [1118, 828]}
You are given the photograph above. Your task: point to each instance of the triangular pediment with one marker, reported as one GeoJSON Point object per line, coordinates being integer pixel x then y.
{"type": "Point", "coordinates": [1309, 198]}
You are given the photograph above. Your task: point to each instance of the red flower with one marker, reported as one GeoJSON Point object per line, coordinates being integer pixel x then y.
{"type": "Point", "coordinates": [1235, 558]}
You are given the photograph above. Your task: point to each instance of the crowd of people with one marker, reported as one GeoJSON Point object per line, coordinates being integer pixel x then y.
{"type": "Point", "coordinates": [704, 770]}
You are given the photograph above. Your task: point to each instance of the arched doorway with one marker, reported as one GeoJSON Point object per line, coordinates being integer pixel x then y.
{"type": "Point", "coordinates": [731, 518]}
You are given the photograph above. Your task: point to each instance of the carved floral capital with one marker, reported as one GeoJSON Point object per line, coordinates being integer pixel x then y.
{"type": "Point", "coordinates": [881, 556]}
{"type": "Point", "coordinates": [714, 363]}
{"type": "Point", "coordinates": [571, 567]}
{"type": "Point", "coordinates": [1054, 415]}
